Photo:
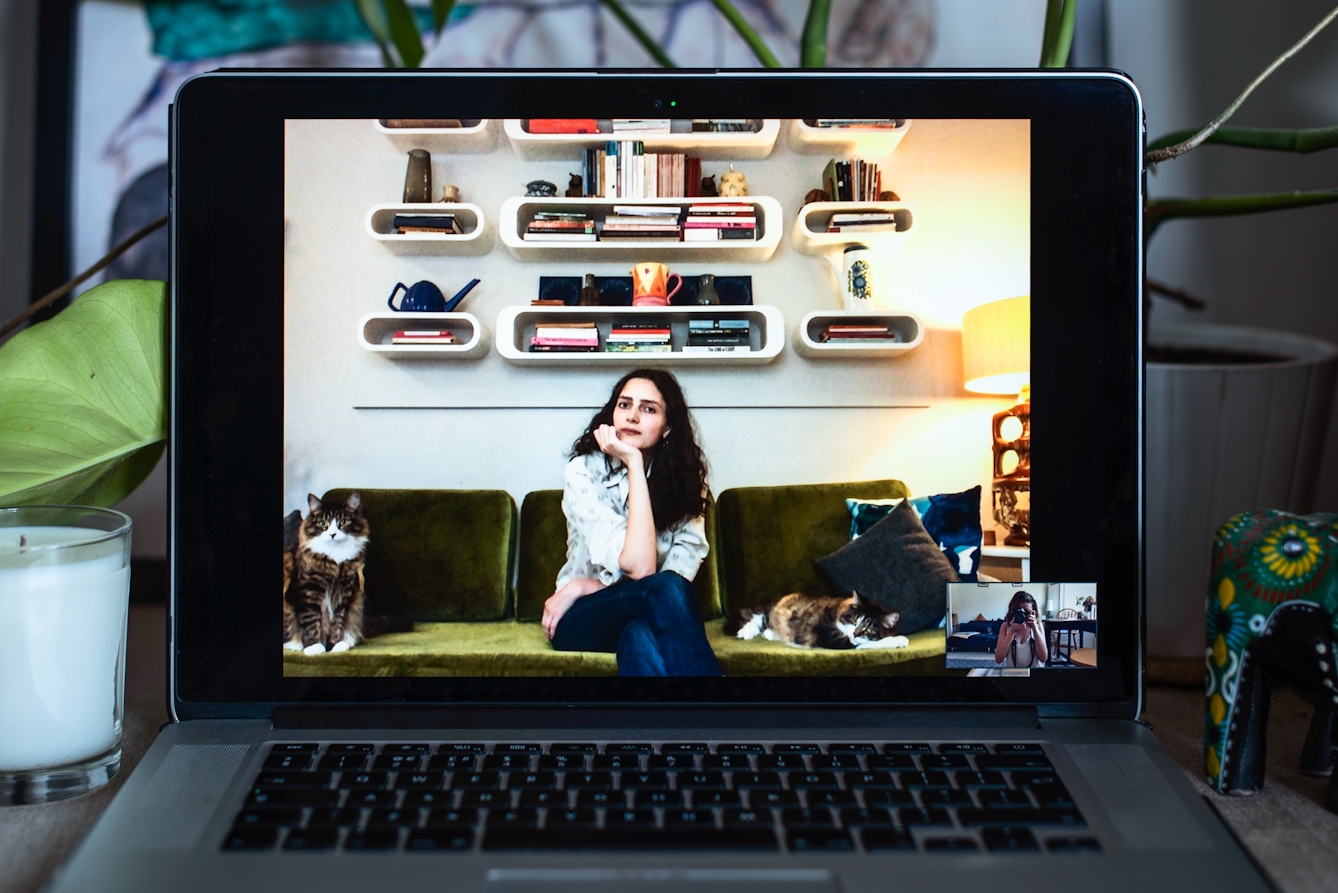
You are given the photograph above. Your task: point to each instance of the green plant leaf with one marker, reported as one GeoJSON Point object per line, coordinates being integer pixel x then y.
{"type": "Point", "coordinates": [441, 11]}
{"type": "Point", "coordinates": [813, 42]}
{"type": "Point", "coordinates": [1058, 37]}
{"type": "Point", "coordinates": [404, 32]}
{"type": "Point", "coordinates": [83, 409]}
{"type": "Point", "coordinates": [1159, 210]}
{"type": "Point", "coordinates": [374, 17]}
{"type": "Point", "coordinates": [748, 33]}
{"type": "Point", "coordinates": [1313, 139]}
{"type": "Point", "coordinates": [642, 37]}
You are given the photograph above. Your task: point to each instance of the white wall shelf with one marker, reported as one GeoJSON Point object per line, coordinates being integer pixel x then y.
{"type": "Point", "coordinates": [472, 140]}
{"type": "Point", "coordinates": [745, 146]}
{"type": "Point", "coordinates": [474, 239]}
{"type": "Point", "coordinates": [809, 233]}
{"type": "Point", "coordinates": [809, 331]}
{"type": "Point", "coordinates": [515, 327]}
{"type": "Point", "coordinates": [518, 211]}
{"type": "Point", "coordinates": [375, 331]}
{"type": "Point", "coordinates": [829, 140]}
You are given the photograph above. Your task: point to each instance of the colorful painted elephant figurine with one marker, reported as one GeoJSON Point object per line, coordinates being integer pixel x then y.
{"type": "Point", "coordinates": [1271, 613]}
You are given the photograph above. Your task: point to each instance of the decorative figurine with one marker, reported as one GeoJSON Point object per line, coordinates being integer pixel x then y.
{"type": "Point", "coordinates": [575, 188]}
{"type": "Point", "coordinates": [418, 178]}
{"type": "Point", "coordinates": [888, 195]}
{"type": "Point", "coordinates": [450, 194]}
{"type": "Point", "coordinates": [708, 189]}
{"type": "Point", "coordinates": [541, 188]}
{"type": "Point", "coordinates": [1272, 602]}
{"type": "Point", "coordinates": [589, 292]}
{"type": "Point", "coordinates": [733, 183]}
{"type": "Point", "coordinates": [816, 195]}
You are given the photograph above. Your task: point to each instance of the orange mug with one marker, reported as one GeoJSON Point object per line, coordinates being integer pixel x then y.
{"type": "Point", "coordinates": [650, 285]}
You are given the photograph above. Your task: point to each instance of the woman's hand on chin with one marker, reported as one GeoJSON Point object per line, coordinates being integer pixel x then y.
{"type": "Point", "coordinates": [607, 438]}
{"type": "Point", "coordinates": [559, 602]}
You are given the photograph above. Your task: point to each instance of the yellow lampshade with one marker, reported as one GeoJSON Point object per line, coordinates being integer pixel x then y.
{"type": "Point", "coordinates": [996, 346]}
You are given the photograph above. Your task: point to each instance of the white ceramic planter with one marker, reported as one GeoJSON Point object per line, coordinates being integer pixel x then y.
{"type": "Point", "coordinates": [1223, 439]}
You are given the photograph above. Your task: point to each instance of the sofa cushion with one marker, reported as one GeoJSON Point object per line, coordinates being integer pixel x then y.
{"type": "Point", "coordinates": [438, 555]}
{"type": "Point", "coordinates": [898, 565]}
{"type": "Point", "coordinates": [543, 551]}
{"type": "Point", "coordinates": [770, 536]}
{"type": "Point", "coordinates": [952, 519]}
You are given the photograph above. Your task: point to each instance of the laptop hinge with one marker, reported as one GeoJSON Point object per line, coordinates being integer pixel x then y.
{"type": "Point", "coordinates": [732, 716]}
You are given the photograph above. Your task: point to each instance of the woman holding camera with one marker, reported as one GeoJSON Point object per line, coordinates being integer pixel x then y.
{"type": "Point", "coordinates": [1021, 637]}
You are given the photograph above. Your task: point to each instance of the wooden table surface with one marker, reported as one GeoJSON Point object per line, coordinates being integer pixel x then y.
{"type": "Point", "coordinates": [1285, 827]}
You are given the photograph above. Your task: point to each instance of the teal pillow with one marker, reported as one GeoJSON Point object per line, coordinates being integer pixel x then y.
{"type": "Point", "coordinates": [951, 519]}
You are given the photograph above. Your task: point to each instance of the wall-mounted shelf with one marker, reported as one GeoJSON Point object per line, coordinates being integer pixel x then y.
{"type": "Point", "coordinates": [375, 331]}
{"type": "Point", "coordinates": [515, 327]}
{"type": "Point", "coordinates": [745, 146]}
{"type": "Point", "coordinates": [473, 240]}
{"type": "Point", "coordinates": [479, 137]}
{"type": "Point", "coordinates": [518, 211]}
{"type": "Point", "coordinates": [829, 140]}
{"type": "Point", "coordinates": [809, 331]}
{"type": "Point", "coordinates": [809, 233]}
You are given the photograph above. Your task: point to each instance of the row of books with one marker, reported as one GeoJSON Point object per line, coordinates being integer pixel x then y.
{"type": "Point", "coordinates": [425, 223]}
{"type": "Point", "coordinates": [702, 222]}
{"type": "Point", "coordinates": [561, 226]}
{"type": "Point", "coordinates": [855, 123]}
{"type": "Point", "coordinates": [654, 336]}
{"type": "Point", "coordinates": [859, 332]}
{"type": "Point", "coordinates": [863, 222]}
{"type": "Point", "coordinates": [711, 222]}
{"type": "Point", "coordinates": [624, 169]}
{"type": "Point", "coordinates": [423, 336]}
{"type": "Point", "coordinates": [855, 180]}
{"type": "Point", "coordinates": [641, 125]}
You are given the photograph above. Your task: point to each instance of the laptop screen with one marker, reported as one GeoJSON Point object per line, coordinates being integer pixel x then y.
{"type": "Point", "coordinates": [675, 396]}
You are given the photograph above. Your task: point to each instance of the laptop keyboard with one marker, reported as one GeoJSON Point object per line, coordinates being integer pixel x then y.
{"type": "Point", "coordinates": [907, 796]}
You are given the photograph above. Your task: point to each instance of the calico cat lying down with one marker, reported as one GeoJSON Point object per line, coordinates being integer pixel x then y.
{"type": "Point", "coordinates": [820, 621]}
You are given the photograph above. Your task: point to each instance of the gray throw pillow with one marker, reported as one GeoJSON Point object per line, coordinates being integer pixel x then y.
{"type": "Point", "coordinates": [898, 565]}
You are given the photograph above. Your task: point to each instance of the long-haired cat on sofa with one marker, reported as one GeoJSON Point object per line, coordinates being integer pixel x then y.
{"type": "Point", "coordinates": [323, 578]}
{"type": "Point", "coordinates": [820, 621]}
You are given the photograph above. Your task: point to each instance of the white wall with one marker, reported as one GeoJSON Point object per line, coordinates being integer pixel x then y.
{"type": "Point", "coordinates": [353, 418]}
{"type": "Point", "coordinates": [970, 600]}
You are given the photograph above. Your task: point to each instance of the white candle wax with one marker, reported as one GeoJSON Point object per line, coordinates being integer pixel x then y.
{"type": "Point", "coordinates": [61, 661]}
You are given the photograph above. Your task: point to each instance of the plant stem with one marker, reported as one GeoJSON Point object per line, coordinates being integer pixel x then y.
{"type": "Point", "coordinates": [1058, 37]}
{"type": "Point", "coordinates": [1313, 139]}
{"type": "Point", "coordinates": [750, 36]}
{"type": "Point", "coordinates": [106, 260]}
{"type": "Point", "coordinates": [813, 42]}
{"type": "Point", "coordinates": [647, 42]}
{"type": "Point", "coordinates": [1162, 209]}
{"type": "Point", "coordinates": [1197, 139]}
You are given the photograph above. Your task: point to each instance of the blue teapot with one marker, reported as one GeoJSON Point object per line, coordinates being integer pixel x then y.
{"type": "Point", "coordinates": [425, 297]}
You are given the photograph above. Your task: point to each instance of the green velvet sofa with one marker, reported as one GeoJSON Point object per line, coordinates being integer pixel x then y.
{"type": "Point", "coordinates": [444, 558]}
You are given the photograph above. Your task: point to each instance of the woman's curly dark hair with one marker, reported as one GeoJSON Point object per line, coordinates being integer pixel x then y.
{"type": "Point", "coordinates": [677, 474]}
{"type": "Point", "coordinates": [1020, 597]}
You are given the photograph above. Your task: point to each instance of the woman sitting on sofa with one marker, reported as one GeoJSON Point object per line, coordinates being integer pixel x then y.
{"type": "Point", "coordinates": [634, 494]}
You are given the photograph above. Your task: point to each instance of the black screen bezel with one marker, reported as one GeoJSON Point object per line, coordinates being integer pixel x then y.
{"type": "Point", "coordinates": [227, 311]}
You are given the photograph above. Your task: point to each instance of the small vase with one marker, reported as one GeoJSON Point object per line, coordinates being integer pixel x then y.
{"type": "Point", "coordinates": [418, 178]}
{"type": "Point", "coordinates": [589, 293]}
{"type": "Point", "coordinates": [706, 294]}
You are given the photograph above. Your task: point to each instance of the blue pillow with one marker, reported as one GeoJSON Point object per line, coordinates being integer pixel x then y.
{"type": "Point", "coordinates": [952, 519]}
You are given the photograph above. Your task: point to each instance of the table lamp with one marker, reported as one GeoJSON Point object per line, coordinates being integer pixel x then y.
{"type": "Point", "coordinates": [996, 359]}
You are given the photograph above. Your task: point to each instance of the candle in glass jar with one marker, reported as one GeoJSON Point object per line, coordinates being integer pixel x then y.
{"type": "Point", "coordinates": [61, 663]}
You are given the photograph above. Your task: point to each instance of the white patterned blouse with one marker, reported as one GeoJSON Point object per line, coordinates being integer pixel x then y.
{"type": "Point", "coordinates": [594, 499]}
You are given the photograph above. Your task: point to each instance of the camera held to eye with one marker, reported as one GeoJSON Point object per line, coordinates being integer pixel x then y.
{"type": "Point", "coordinates": [1019, 616]}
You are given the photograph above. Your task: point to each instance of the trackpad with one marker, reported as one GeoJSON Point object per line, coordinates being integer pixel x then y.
{"type": "Point", "coordinates": [668, 880]}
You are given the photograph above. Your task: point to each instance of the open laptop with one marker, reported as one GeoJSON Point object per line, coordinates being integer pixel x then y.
{"type": "Point", "coordinates": [851, 277]}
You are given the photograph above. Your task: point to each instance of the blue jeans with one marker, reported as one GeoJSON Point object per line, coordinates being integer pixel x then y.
{"type": "Point", "coordinates": [652, 624]}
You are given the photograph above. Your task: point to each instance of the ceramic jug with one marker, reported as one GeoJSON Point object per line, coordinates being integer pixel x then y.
{"type": "Point", "coordinates": [706, 293]}
{"type": "Point", "coordinates": [650, 285]}
{"type": "Point", "coordinates": [861, 279]}
{"type": "Point", "coordinates": [425, 297]}
{"type": "Point", "coordinates": [418, 177]}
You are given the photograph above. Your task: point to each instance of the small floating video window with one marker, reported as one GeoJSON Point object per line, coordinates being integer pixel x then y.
{"type": "Point", "coordinates": [1010, 629]}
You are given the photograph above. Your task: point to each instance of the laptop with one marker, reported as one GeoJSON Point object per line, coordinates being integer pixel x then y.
{"type": "Point", "coordinates": [696, 545]}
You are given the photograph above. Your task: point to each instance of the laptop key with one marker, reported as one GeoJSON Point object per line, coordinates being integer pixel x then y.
{"type": "Point", "coordinates": [944, 761]}
{"type": "Point", "coordinates": [782, 761]}
{"type": "Point", "coordinates": [854, 817]}
{"type": "Point", "coordinates": [281, 817]}
{"type": "Point", "coordinates": [600, 798]}
{"type": "Point", "coordinates": [1012, 761]}
{"type": "Point", "coordinates": [993, 799]}
{"type": "Point", "coordinates": [434, 780]}
{"type": "Point", "coordinates": [404, 749]}
{"type": "Point", "coordinates": [908, 747]}
{"type": "Point", "coordinates": [562, 761]}
{"type": "Point", "coordinates": [349, 762]}
{"type": "Point", "coordinates": [748, 818]}
{"type": "Point", "coordinates": [684, 748]}
{"type": "Point", "coordinates": [273, 780]}
{"type": "Point", "coordinates": [293, 797]}
{"type": "Point", "coordinates": [851, 748]}
{"type": "Point", "coordinates": [744, 780]}
{"type": "Point", "coordinates": [1019, 816]}
{"type": "Point", "coordinates": [587, 781]}
{"type": "Point", "coordinates": [795, 748]}
{"type": "Point", "coordinates": [251, 839]}
{"type": "Point", "coordinates": [645, 780]}
{"type": "Point", "coordinates": [1072, 845]}
{"type": "Point", "coordinates": [890, 761]}
{"type": "Point", "coordinates": [950, 845]}
{"type": "Point", "coordinates": [427, 839]}
{"type": "Point", "coordinates": [651, 797]}
{"type": "Point", "coordinates": [452, 818]}
{"type": "Point", "coordinates": [374, 780]}
{"type": "Point", "coordinates": [764, 798]}
{"type": "Point", "coordinates": [932, 779]}
{"type": "Point", "coordinates": [514, 762]}
{"type": "Point", "coordinates": [1026, 778]}
{"type": "Point", "coordinates": [371, 839]}
{"type": "Point", "coordinates": [1018, 747]}
{"type": "Point", "coordinates": [799, 817]}
{"type": "Point", "coordinates": [543, 798]}
{"type": "Point", "coordinates": [715, 798]}
{"type": "Point", "coordinates": [642, 817]}
{"type": "Point", "coordinates": [475, 781]}
{"type": "Point", "coordinates": [962, 748]}
{"type": "Point", "coordinates": [1052, 796]}
{"type": "Point", "coordinates": [486, 798]}
{"type": "Point", "coordinates": [370, 798]}
{"type": "Point", "coordinates": [836, 761]}
{"type": "Point", "coordinates": [573, 748]}
{"type": "Point", "coordinates": [628, 748]}
{"type": "Point", "coordinates": [307, 747]}
{"type": "Point", "coordinates": [617, 761]}
{"type": "Point", "coordinates": [513, 818]}
{"type": "Point", "coordinates": [532, 781]}
{"type": "Point", "coordinates": [580, 817]}
{"type": "Point", "coordinates": [1008, 837]}
{"type": "Point", "coordinates": [631, 838]}
{"type": "Point", "coordinates": [909, 815]}
{"type": "Point", "coordinates": [829, 797]}
{"type": "Point", "coordinates": [351, 748]}
{"type": "Point", "coordinates": [690, 780]}
{"type": "Point", "coordinates": [453, 762]}
{"type": "Point", "coordinates": [741, 748]}
{"type": "Point", "coordinates": [391, 816]}
{"type": "Point", "coordinates": [803, 780]}
{"type": "Point", "coordinates": [431, 797]}
{"type": "Point", "coordinates": [311, 839]}
{"type": "Point", "coordinates": [869, 780]}
{"type": "Point", "coordinates": [887, 797]}
{"type": "Point", "coordinates": [944, 797]}
{"type": "Point", "coordinates": [818, 839]}
{"type": "Point", "coordinates": [726, 761]}
{"type": "Point", "coordinates": [700, 817]}
{"type": "Point", "coordinates": [398, 762]}
{"type": "Point", "coordinates": [458, 747]}
{"type": "Point", "coordinates": [523, 748]}
{"type": "Point", "coordinates": [672, 761]}
{"type": "Point", "coordinates": [293, 761]}
{"type": "Point", "coordinates": [335, 817]}
{"type": "Point", "coordinates": [886, 839]}
{"type": "Point", "coordinates": [979, 780]}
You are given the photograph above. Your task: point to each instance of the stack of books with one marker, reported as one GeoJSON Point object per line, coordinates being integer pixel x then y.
{"type": "Point", "coordinates": [856, 123]}
{"type": "Point", "coordinates": [642, 223]}
{"type": "Point", "coordinates": [561, 226]}
{"type": "Point", "coordinates": [638, 337]}
{"type": "Point", "coordinates": [718, 336]}
{"type": "Point", "coordinates": [863, 222]}
{"type": "Point", "coordinates": [562, 125]}
{"type": "Point", "coordinates": [423, 336]}
{"type": "Point", "coordinates": [712, 222]}
{"type": "Point", "coordinates": [565, 337]}
{"type": "Point", "coordinates": [859, 332]}
{"type": "Point", "coordinates": [641, 125]}
{"type": "Point", "coordinates": [425, 223]}
{"type": "Point", "coordinates": [624, 169]}
{"type": "Point", "coordinates": [855, 180]}
{"type": "Point", "coordinates": [726, 125]}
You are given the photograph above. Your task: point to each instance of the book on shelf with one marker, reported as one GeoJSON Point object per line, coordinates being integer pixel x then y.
{"type": "Point", "coordinates": [560, 237]}
{"type": "Point", "coordinates": [855, 123]}
{"type": "Point", "coordinates": [548, 302]}
{"type": "Point", "coordinates": [615, 347]}
{"type": "Point", "coordinates": [855, 180]}
{"type": "Point", "coordinates": [641, 125]}
{"type": "Point", "coordinates": [704, 323]}
{"type": "Point", "coordinates": [720, 234]}
{"type": "Point", "coordinates": [562, 125]}
{"type": "Point", "coordinates": [426, 223]}
{"type": "Point", "coordinates": [537, 347]}
{"type": "Point", "coordinates": [697, 349]}
{"type": "Point", "coordinates": [672, 211]}
{"type": "Point", "coordinates": [725, 125]}
{"type": "Point", "coordinates": [721, 223]}
{"type": "Point", "coordinates": [423, 336]}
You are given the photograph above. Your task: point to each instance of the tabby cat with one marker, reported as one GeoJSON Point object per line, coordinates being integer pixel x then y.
{"type": "Point", "coordinates": [820, 621]}
{"type": "Point", "coordinates": [322, 578]}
